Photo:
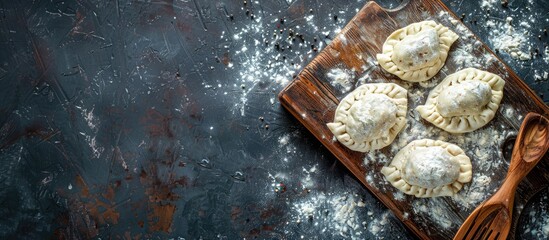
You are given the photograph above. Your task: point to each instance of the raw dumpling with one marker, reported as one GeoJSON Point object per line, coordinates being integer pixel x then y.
{"type": "Point", "coordinates": [370, 117]}
{"type": "Point", "coordinates": [463, 101]}
{"type": "Point", "coordinates": [418, 51]}
{"type": "Point", "coordinates": [429, 168]}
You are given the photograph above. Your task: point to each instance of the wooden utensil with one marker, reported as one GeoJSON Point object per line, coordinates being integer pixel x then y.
{"type": "Point", "coordinates": [492, 219]}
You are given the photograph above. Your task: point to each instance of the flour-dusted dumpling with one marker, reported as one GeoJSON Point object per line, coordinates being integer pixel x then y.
{"type": "Point", "coordinates": [464, 101]}
{"type": "Point", "coordinates": [429, 168]}
{"type": "Point", "coordinates": [418, 51]}
{"type": "Point", "coordinates": [370, 117]}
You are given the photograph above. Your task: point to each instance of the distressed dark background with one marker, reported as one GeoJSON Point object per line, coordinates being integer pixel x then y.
{"type": "Point", "coordinates": [159, 119]}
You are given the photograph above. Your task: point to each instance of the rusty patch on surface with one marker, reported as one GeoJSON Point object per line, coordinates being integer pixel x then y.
{"type": "Point", "coordinates": [159, 124]}
{"type": "Point", "coordinates": [101, 207]}
{"type": "Point", "coordinates": [160, 192]}
{"type": "Point", "coordinates": [183, 27]}
{"type": "Point", "coordinates": [226, 59]}
{"type": "Point", "coordinates": [128, 236]}
{"type": "Point", "coordinates": [84, 189]}
{"type": "Point", "coordinates": [270, 212]}
{"type": "Point", "coordinates": [93, 207]}
{"type": "Point", "coordinates": [161, 216]}
{"type": "Point", "coordinates": [88, 210]}
{"type": "Point", "coordinates": [109, 194]}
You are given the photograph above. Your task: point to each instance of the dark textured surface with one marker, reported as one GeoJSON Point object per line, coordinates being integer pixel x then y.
{"type": "Point", "coordinates": [150, 119]}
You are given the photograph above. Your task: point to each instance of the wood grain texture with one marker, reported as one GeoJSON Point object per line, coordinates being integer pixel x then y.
{"type": "Point", "coordinates": [312, 100]}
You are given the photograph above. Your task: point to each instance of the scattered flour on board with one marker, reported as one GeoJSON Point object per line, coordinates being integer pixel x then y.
{"type": "Point", "coordinates": [399, 196]}
{"type": "Point", "coordinates": [482, 145]}
{"type": "Point", "coordinates": [466, 44]}
{"type": "Point", "coordinates": [341, 77]}
{"type": "Point", "coordinates": [476, 192]}
{"type": "Point", "coordinates": [433, 209]}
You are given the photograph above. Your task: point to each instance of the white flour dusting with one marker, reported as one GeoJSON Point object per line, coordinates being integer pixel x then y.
{"type": "Point", "coordinates": [461, 54]}
{"type": "Point", "coordinates": [535, 224]}
{"type": "Point", "coordinates": [307, 181]}
{"type": "Point", "coordinates": [285, 146]}
{"type": "Point", "coordinates": [540, 75]}
{"type": "Point", "coordinates": [271, 53]}
{"type": "Point", "coordinates": [513, 41]}
{"type": "Point", "coordinates": [333, 213]}
{"type": "Point", "coordinates": [93, 125]}
{"type": "Point", "coordinates": [476, 192]}
{"type": "Point", "coordinates": [399, 196]}
{"type": "Point", "coordinates": [337, 213]}
{"type": "Point", "coordinates": [342, 78]}
{"type": "Point", "coordinates": [463, 58]}
{"type": "Point", "coordinates": [506, 35]}
{"type": "Point", "coordinates": [510, 112]}
{"type": "Point", "coordinates": [377, 227]}
{"type": "Point", "coordinates": [546, 54]}
{"type": "Point", "coordinates": [284, 139]}
{"type": "Point", "coordinates": [486, 4]}
{"type": "Point", "coordinates": [259, 61]}
{"type": "Point", "coordinates": [432, 209]}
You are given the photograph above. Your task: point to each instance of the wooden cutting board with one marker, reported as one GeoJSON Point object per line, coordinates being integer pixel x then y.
{"type": "Point", "coordinates": [312, 98]}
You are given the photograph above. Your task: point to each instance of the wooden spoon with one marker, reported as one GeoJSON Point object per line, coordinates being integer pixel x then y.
{"type": "Point", "coordinates": [492, 219]}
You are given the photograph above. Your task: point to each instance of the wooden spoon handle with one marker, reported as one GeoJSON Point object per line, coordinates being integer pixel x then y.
{"type": "Point", "coordinates": [531, 144]}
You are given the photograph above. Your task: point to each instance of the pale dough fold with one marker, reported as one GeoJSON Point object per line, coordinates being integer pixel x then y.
{"type": "Point", "coordinates": [429, 168]}
{"type": "Point", "coordinates": [418, 51]}
{"type": "Point", "coordinates": [464, 101]}
{"type": "Point", "coordinates": [371, 116]}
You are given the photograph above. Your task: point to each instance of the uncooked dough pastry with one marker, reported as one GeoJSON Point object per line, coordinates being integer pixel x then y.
{"type": "Point", "coordinates": [429, 168]}
{"type": "Point", "coordinates": [418, 51]}
{"type": "Point", "coordinates": [371, 116]}
{"type": "Point", "coordinates": [464, 101]}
